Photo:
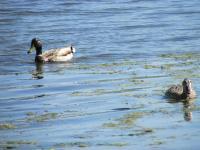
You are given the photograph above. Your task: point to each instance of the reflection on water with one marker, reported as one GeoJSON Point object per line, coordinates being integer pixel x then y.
{"type": "Point", "coordinates": [187, 109]}
{"type": "Point", "coordinates": [38, 72]}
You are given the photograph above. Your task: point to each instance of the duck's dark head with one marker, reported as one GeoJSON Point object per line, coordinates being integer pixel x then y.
{"type": "Point", "coordinates": [187, 86]}
{"type": "Point", "coordinates": [73, 50]}
{"type": "Point", "coordinates": [36, 44]}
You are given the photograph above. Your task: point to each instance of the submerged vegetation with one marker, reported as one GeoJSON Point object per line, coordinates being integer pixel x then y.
{"type": "Point", "coordinates": [15, 144]}
{"type": "Point", "coordinates": [71, 144]}
{"type": "Point", "coordinates": [87, 144]}
{"type": "Point", "coordinates": [7, 126]}
{"type": "Point", "coordinates": [188, 55]}
{"type": "Point", "coordinates": [41, 117]}
{"type": "Point", "coordinates": [116, 144]}
{"type": "Point", "coordinates": [126, 121]}
{"type": "Point", "coordinates": [142, 131]}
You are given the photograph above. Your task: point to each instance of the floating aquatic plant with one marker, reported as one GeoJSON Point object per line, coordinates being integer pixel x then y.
{"type": "Point", "coordinates": [42, 117]}
{"type": "Point", "coordinates": [114, 144]}
{"type": "Point", "coordinates": [128, 120]}
{"type": "Point", "coordinates": [15, 144]}
{"type": "Point", "coordinates": [7, 126]}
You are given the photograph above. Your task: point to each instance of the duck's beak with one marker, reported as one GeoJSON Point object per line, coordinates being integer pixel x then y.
{"type": "Point", "coordinates": [73, 50]}
{"type": "Point", "coordinates": [30, 50]}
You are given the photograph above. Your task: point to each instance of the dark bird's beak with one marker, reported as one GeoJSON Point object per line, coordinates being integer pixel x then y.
{"type": "Point", "coordinates": [73, 50]}
{"type": "Point", "coordinates": [30, 50]}
{"type": "Point", "coordinates": [188, 90]}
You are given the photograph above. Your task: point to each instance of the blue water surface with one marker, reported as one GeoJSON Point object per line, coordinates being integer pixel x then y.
{"type": "Point", "coordinates": [111, 95]}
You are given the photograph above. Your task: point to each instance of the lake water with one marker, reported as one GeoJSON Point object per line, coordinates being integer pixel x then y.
{"type": "Point", "coordinates": [111, 95]}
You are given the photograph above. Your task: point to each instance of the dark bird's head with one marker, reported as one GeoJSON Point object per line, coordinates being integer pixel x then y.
{"type": "Point", "coordinates": [36, 44]}
{"type": "Point", "coordinates": [73, 50]}
{"type": "Point", "coordinates": [187, 86]}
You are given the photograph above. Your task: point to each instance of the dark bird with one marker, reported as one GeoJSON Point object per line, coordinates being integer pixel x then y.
{"type": "Point", "coordinates": [184, 91]}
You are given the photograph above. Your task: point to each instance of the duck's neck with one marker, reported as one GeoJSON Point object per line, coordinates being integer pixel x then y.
{"type": "Point", "coordinates": [186, 95]}
{"type": "Point", "coordinates": [38, 51]}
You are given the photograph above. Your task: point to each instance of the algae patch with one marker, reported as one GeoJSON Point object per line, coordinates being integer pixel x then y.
{"type": "Point", "coordinates": [118, 64]}
{"type": "Point", "coordinates": [151, 66]}
{"type": "Point", "coordinates": [117, 144]}
{"type": "Point", "coordinates": [158, 142]}
{"type": "Point", "coordinates": [42, 117]}
{"type": "Point", "coordinates": [127, 121]}
{"type": "Point", "coordinates": [180, 56]}
{"type": "Point", "coordinates": [72, 144]}
{"type": "Point", "coordinates": [20, 142]}
{"type": "Point", "coordinates": [4, 126]}
{"type": "Point", "coordinates": [143, 131]}
{"type": "Point", "coordinates": [130, 119]}
{"type": "Point", "coordinates": [15, 144]}
{"type": "Point", "coordinates": [97, 92]}
{"type": "Point", "coordinates": [137, 81]}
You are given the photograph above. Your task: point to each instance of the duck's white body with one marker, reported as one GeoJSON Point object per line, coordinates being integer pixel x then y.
{"type": "Point", "coordinates": [58, 55]}
{"type": "Point", "coordinates": [52, 55]}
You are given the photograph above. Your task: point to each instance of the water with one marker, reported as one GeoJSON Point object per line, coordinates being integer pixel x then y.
{"type": "Point", "coordinates": [110, 96]}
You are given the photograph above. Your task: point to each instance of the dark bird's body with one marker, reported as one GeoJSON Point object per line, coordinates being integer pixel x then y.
{"type": "Point", "coordinates": [184, 91]}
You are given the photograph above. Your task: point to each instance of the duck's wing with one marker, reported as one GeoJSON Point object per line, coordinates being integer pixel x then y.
{"type": "Point", "coordinates": [60, 54]}
{"type": "Point", "coordinates": [174, 91]}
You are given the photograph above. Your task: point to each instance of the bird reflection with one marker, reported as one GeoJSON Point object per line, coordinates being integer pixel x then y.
{"type": "Point", "coordinates": [187, 108]}
{"type": "Point", "coordinates": [38, 72]}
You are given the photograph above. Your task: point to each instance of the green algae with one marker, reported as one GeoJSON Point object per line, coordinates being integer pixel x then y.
{"type": "Point", "coordinates": [20, 142]}
{"type": "Point", "coordinates": [110, 64]}
{"type": "Point", "coordinates": [180, 56]}
{"type": "Point", "coordinates": [85, 67]}
{"type": "Point", "coordinates": [167, 66]}
{"type": "Point", "coordinates": [130, 119]}
{"type": "Point", "coordinates": [110, 125]}
{"type": "Point", "coordinates": [116, 144]}
{"type": "Point", "coordinates": [104, 91]}
{"type": "Point", "coordinates": [118, 64]}
{"type": "Point", "coordinates": [139, 96]}
{"type": "Point", "coordinates": [136, 81]}
{"type": "Point", "coordinates": [42, 117]}
{"type": "Point", "coordinates": [89, 93]}
{"type": "Point", "coordinates": [158, 142]}
{"type": "Point", "coordinates": [4, 126]}
{"type": "Point", "coordinates": [15, 144]}
{"type": "Point", "coordinates": [143, 131]}
{"type": "Point", "coordinates": [148, 130]}
{"type": "Point", "coordinates": [150, 66]}
{"type": "Point", "coordinates": [185, 73]}
{"type": "Point", "coordinates": [30, 114]}
{"type": "Point", "coordinates": [126, 121]}
{"type": "Point", "coordinates": [86, 144]}
{"type": "Point", "coordinates": [72, 144]}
